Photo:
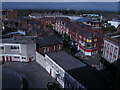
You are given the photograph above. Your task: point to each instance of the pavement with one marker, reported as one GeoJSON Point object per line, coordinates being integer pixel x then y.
{"type": "Point", "coordinates": [11, 79]}
{"type": "Point", "coordinates": [34, 73]}
{"type": "Point", "coordinates": [93, 61]}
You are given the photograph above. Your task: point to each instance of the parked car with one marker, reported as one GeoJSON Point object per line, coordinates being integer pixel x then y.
{"type": "Point", "coordinates": [53, 86]}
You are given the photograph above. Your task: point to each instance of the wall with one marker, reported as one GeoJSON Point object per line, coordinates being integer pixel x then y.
{"type": "Point", "coordinates": [40, 59]}
{"type": "Point", "coordinates": [53, 68]}
{"type": "Point", "coordinates": [109, 51]}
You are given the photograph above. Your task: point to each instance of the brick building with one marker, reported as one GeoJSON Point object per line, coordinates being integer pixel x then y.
{"type": "Point", "coordinates": [23, 23]}
{"type": "Point", "coordinates": [88, 39]}
{"type": "Point", "coordinates": [12, 14]}
{"type": "Point", "coordinates": [47, 44]}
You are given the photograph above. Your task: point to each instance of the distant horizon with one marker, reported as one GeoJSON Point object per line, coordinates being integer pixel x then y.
{"type": "Point", "coordinates": [61, 0]}
{"type": "Point", "coordinates": [99, 6]}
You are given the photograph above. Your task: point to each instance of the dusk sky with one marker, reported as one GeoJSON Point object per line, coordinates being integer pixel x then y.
{"type": "Point", "coordinates": [60, 0]}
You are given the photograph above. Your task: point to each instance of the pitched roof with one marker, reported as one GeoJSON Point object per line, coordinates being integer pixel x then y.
{"type": "Point", "coordinates": [49, 40]}
{"type": "Point", "coordinates": [77, 69]}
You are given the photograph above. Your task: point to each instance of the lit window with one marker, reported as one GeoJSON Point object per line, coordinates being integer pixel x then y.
{"type": "Point", "coordinates": [89, 40]}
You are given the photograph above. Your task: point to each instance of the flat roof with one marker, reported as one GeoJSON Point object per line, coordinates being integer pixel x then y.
{"type": "Point", "coordinates": [18, 40]}
{"type": "Point", "coordinates": [65, 60]}
{"type": "Point", "coordinates": [84, 74]}
{"type": "Point", "coordinates": [49, 40]}
{"type": "Point", "coordinates": [88, 77]}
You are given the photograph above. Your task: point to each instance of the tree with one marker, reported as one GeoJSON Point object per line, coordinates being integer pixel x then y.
{"type": "Point", "coordinates": [109, 29]}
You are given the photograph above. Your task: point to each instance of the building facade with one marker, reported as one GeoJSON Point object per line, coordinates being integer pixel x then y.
{"type": "Point", "coordinates": [60, 72]}
{"type": "Point", "coordinates": [48, 44]}
{"type": "Point", "coordinates": [111, 50]}
{"type": "Point", "coordinates": [87, 39]}
{"type": "Point", "coordinates": [118, 28]}
{"type": "Point", "coordinates": [12, 14]}
{"type": "Point", "coordinates": [71, 73]}
{"type": "Point", "coordinates": [14, 49]}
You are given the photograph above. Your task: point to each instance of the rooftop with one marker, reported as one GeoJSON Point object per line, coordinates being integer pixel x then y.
{"type": "Point", "coordinates": [114, 38]}
{"type": "Point", "coordinates": [65, 60]}
{"type": "Point", "coordinates": [49, 40]}
{"type": "Point", "coordinates": [88, 77]}
{"type": "Point", "coordinates": [18, 40]}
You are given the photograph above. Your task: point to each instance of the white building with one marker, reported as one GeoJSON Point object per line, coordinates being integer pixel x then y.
{"type": "Point", "coordinates": [114, 23]}
{"type": "Point", "coordinates": [111, 50]}
{"type": "Point", "coordinates": [70, 72]}
{"type": "Point", "coordinates": [18, 49]}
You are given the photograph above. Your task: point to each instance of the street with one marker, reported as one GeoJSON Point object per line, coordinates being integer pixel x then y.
{"type": "Point", "coordinates": [35, 74]}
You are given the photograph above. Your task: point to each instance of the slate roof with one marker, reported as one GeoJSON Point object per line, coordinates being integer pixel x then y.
{"type": "Point", "coordinates": [65, 60]}
{"type": "Point", "coordinates": [88, 77]}
{"type": "Point", "coordinates": [49, 40]}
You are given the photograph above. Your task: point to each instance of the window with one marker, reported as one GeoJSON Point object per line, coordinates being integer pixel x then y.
{"type": "Point", "coordinates": [111, 49]}
{"type": "Point", "coordinates": [23, 57]}
{"type": "Point", "coordinates": [14, 47]}
{"type": "Point", "coordinates": [47, 49]}
{"type": "Point", "coordinates": [80, 36]}
{"type": "Point", "coordinates": [95, 39]}
{"type": "Point", "coordinates": [16, 57]}
{"type": "Point", "coordinates": [79, 41]}
{"type": "Point", "coordinates": [84, 38]}
{"type": "Point", "coordinates": [115, 51]}
{"type": "Point", "coordinates": [104, 45]}
{"type": "Point", "coordinates": [95, 45]}
{"type": "Point", "coordinates": [59, 47]}
{"type": "Point", "coordinates": [89, 40]}
{"type": "Point", "coordinates": [108, 46]}
{"type": "Point", "coordinates": [2, 47]}
{"type": "Point", "coordinates": [65, 81]}
{"type": "Point", "coordinates": [88, 46]}
{"type": "Point", "coordinates": [44, 49]}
